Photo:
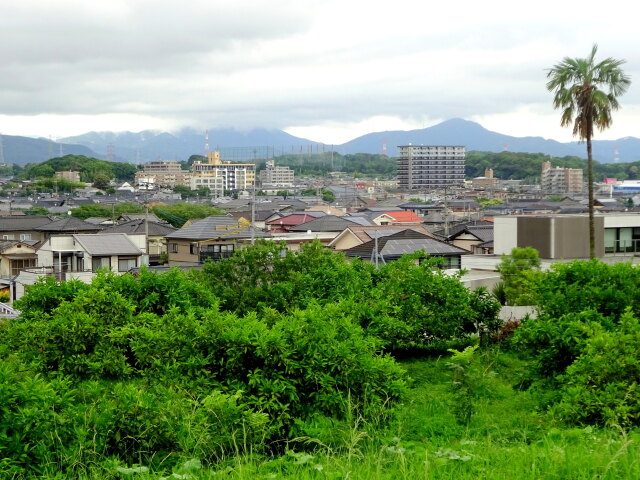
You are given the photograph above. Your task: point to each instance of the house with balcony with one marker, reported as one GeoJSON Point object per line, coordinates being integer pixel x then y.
{"type": "Point", "coordinates": [212, 238]}
{"type": "Point", "coordinates": [89, 253]}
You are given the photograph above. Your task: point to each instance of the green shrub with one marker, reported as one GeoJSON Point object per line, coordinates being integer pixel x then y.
{"type": "Point", "coordinates": [602, 385]}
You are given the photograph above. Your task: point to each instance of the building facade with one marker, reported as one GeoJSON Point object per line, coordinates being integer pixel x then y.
{"type": "Point", "coordinates": [430, 167]}
{"type": "Point", "coordinates": [556, 180]}
{"type": "Point", "coordinates": [70, 175]}
{"type": "Point", "coordinates": [162, 173]}
{"type": "Point", "coordinates": [273, 176]}
{"type": "Point", "coordinates": [219, 176]}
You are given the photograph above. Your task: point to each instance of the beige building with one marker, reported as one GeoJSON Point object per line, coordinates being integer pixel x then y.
{"type": "Point", "coordinates": [219, 176]}
{"type": "Point", "coordinates": [162, 173]}
{"type": "Point", "coordinates": [273, 176]}
{"type": "Point", "coordinates": [488, 182]}
{"type": "Point", "coordinates": [70, 175]}
{"type": "Point", "coordinates": [554, 180]}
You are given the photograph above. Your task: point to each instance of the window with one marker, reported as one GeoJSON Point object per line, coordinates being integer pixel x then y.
{"type": "Point", "coordinates": [126, 263]}
{"type": "Point", "coordinates": [193, 249]}
{"type": "Point", "coordinates": [173, 248]}
{"type": "Point", "coordinates": [100, 262]}
{"type": "Point", "coordinates": [22, 263]}
{"type": "Point", "coordinates": [25, 236]}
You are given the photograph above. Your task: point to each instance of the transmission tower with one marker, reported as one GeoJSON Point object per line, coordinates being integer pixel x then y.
{"type": "Point", "coordinates": [110, 152]}
{"type": "Point", "coordinates": [206, 143]}
{"type": "Point", "coordinates": [616, 154]}
{"type": "Point", "coordinates": [1, 151]}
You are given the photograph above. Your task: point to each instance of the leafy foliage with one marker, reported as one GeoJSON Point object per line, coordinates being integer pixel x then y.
{"type": "Point", "coordinates": [127, 345]}
{"type": "Point", "coordinates": [602, 385]}
{"type": "Point", "coordinates": [520, 272]}
{"type": "Point", "coordinates": [97, 210]}
{"type": "Point", "coordinates": [178, 213]}
{"type": "Point", "coordinates": [405, 304]}
{"type": "Point", "coordinates": [584, 341]}
{"type": "Point", "coordinates": [88, 167]}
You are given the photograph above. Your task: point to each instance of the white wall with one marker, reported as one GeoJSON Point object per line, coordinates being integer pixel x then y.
{"type": "Point", "coordinates": [505, 234]}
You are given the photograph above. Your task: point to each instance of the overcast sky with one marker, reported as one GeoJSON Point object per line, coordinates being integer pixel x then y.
{"type": "Point", "coordinates": [324, 70]}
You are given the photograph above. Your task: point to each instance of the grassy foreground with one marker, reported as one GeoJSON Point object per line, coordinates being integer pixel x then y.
{"type": "Point", "coordinates": [506, 438]}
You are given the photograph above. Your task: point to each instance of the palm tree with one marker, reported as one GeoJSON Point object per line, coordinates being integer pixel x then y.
{"type": "Point", "coordinates": [587, 92]}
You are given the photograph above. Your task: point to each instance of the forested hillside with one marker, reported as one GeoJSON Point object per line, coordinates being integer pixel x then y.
{"type": "Point", "coordinates": [88, 167]}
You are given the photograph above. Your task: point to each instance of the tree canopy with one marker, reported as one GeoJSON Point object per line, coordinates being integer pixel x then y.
{"type": "Point", "coordinates": [88, 167]}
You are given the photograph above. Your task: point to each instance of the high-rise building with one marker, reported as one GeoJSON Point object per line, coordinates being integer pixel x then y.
{"type": "Point", "coordinates": [430, 167]}
{"type": "Point", "coordinates": [219, 176]}
{"type": "Point", "coordinates": [554, 180]}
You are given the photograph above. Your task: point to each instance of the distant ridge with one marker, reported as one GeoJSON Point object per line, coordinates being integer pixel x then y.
{"type": "Point", "coordinates": [23, 150]}
{"type": "Point", "coordinates": [152, 145]}
{"type": "Point", "coordinates": [475, 137]}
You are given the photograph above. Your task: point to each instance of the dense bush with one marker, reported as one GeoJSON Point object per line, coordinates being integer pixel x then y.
{"type": "Point", "coordinates": [572, 297]}
{"type": "Point", "coordinates": [584, 343]}
{"type": "Point", "coordinates": [602, 385]}
{"type": "Point", "coordinates": [406, 304]}
{"type": "Point", "coordinates": [146, 358]}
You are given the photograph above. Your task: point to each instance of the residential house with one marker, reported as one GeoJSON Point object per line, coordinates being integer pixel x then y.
{"type": "Point", "coordinates": [89, 252]}
{"type": "Point", "coordinates": [392, 247]}
{"type": "Point", "coordinates": [17, 255]}
{"type": "Point", "coordinates": [67, 225]}
{"type": "Point", "coordinates": [150, 234]}
{"type": "Point", "coordinates": [213, 238]}
{"type": "Point", "coordinates": [476, 239]}
{"type": "Point", "coordinates": [23, 227]}
{"type": "Point", "coordinates": [358, 234]}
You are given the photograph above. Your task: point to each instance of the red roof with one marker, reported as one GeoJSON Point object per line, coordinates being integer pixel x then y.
{"type": "Point", "coordinates": [404, 217]}
{"type": "Point", "coordinates": [292, 220]}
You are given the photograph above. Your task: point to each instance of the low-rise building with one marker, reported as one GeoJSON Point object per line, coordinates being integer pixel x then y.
{"type": "Point", "coordinates": [162, 173]}
{"type": "Point", "coordinates": [276, 176]}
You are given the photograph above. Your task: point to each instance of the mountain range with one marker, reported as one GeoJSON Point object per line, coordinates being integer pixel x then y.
{"type": "Point", "coordinates": [151, 145]}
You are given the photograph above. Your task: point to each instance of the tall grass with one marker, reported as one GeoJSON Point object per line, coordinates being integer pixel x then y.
{"type": "Point", "coordinates": [505, 438]}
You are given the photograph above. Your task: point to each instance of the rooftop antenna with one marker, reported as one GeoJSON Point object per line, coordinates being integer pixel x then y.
{"type": "Point", "coordinates": [206, 143]}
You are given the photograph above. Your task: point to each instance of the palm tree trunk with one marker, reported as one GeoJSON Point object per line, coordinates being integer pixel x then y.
{"type": "Point", "coordinates": [592, 230]}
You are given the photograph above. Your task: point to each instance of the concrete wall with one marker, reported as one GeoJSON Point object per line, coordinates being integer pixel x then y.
{"type": "Point", "coordinates": [505, 236]}
{"type": "Point", "coordinates": [554, 236]}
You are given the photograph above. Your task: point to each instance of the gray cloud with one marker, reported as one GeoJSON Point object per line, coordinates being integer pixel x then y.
{"type": "Point", "coordinates": [287, 63]}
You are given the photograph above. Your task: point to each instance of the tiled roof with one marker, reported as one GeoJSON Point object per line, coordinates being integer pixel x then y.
{"type": "Point", "coordinates": [406, 241]}
{"type": "Point", "coordinates": [404, 216]}
{"type": "Point", "coordinates": [69, 224]}
{"type": "Point", "coordinates": [101, 244]}
{"type": "Point", "coordinates": [215, 227]}
{"type": "Point", "coordinates": [137, 227]}
{"type": "Point", "coordinates": [327, 223]}
{"type": "Point", "coordinates": [25, 222]}
{"type": "Point", "coordinates": [296, 218]}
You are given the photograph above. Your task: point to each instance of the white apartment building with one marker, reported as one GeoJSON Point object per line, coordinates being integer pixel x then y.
{"type": "Point", "coordinates": [219, 176]}
{"type": "Point", "coordinates": [431, 167]}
